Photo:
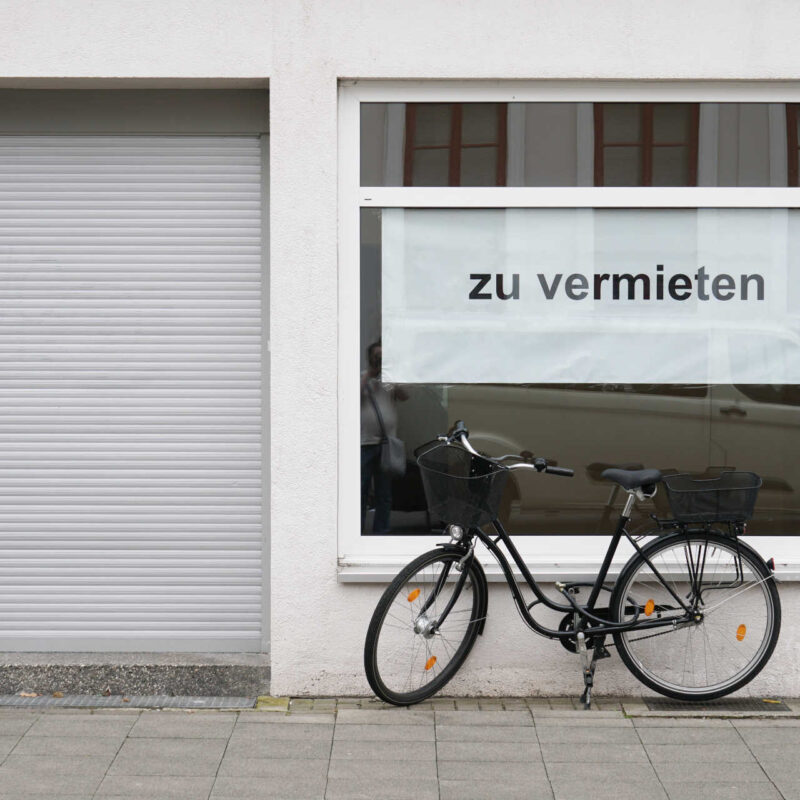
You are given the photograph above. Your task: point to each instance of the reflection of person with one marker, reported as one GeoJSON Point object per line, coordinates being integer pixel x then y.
{"type": "Point", "coordinates": [385, 396]}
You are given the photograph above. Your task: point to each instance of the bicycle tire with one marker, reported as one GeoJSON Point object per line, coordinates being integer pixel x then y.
{"type": "Point", "coordinates": [401, 665]}
{"type": "Point", "coordinates": [740, 620]}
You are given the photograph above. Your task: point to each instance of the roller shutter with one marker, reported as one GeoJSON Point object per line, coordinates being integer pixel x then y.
{"type": "Point", "coordinates": [130, 393]}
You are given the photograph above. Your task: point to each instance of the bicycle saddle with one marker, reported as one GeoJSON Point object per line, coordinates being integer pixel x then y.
{"type": "Point", "coordinates": [632, 478]}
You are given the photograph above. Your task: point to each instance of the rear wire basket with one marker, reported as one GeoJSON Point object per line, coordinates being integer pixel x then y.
{"type": "Point", "coordinates": [730, 497]}
{"type": "Point", "coordinates": [461, 488]}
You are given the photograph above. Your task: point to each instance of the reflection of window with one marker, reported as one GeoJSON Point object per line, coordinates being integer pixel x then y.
{"type": "Point", "coordinates": [792, 143]}
{"type": "Point", "coordinates": [455, 144]}
{"type": "Point", "coordinates": [777, 393]}
{"type": "Point", "coordinates": [645, 144]}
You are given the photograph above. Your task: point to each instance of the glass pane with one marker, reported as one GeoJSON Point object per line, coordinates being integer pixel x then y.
{"type": "Point", "coordinates": [622, 166]}
{"type": "Point", "coordinates": [431, 167]}
{"type": "Point", "coordinates": [433, 123]}
{"type": "Point", "coordinates": [671, 122]}
{"type": "Point", "coordinates": [670, 166]}
{"type": "Point", "coordinates": [479, 123]}
{"type": "Point", "coordinates": [679, 426]}
{"type": "Point", "coordinates": [479, 166]}
{"type": "Point", "coordinates": [622, 122]}
{"type": "Point", "coordinates": [551, 144]}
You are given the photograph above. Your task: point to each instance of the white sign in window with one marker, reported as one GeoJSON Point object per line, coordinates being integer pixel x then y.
{"type": "Point", "coordinates": [666, 295]}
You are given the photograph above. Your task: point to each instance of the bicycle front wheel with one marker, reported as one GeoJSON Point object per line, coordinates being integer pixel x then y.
{"type": "Point", "coordinates": [411, 651]}
{"type": "Point", "coordinates": [731, 633]}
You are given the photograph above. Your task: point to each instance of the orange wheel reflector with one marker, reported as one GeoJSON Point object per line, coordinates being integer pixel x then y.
{"type": "Point", "coordinates": [740, 632]}
{"type": "Point", "coordinates": [649, 608]}
{"type": "Point", "coordinates": [430, 662]}
{"type": "Point", "coordinates": [413, 596]}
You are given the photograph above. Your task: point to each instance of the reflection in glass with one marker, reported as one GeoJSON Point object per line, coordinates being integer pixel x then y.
{"type": "Point", "coordinates": [669, 164]}
{"type": "Point", "coordinates": [622, 123]}
{"type": "Point", "coordinates": [697, 428]}
{"type": "Point", "coordinates": [622, 166]}
{"type": "Point", "coordinates": [575, 144]}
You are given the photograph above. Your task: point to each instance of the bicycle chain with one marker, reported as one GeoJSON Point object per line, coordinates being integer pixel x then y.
{"type": "Point", "coordinates": [649, 636]}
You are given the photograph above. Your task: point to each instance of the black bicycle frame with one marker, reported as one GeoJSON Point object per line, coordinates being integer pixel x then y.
{"type": "Point", "coordinates": [598, 626]}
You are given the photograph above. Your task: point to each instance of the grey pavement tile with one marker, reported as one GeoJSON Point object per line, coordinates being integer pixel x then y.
{"type": "Point", "coordinates": [486, 790]}
{"type": "Point", "coordinates": [199, 757]}
{"type": "Point", "coordinates": [789, 789]}
{"type": "Point", "coordinates": [722, 791]}
{"type": "Point", "coordinates": [578, 722]}
{"type": "Point", "coordinates": [232, 767]}
{"type": "Point", "coordinates": [599, 788]}
{"type": "Point", "coordinates": [500, 772]}
{"type": "Point", "coordinates": [782, 771]}
{"type": "Point", "coordinates": [7, 744]}
{"type": "Point", "coordinates": [377, 787]}
{"type": "Point", "coordinates": [733, 753]}
{"type": "Point", "coordinates": [385, 733]}
{"type": "Point", "coordinates": [272, 718]}
{"type": "Point", "coordinates": [52, 787]}
{"type": "Point", "coordinates": [760, 722]}
{"type": "Point", "coordinates": [82, 725]}
{"type": "Point", "coordinates": [775, 751]}
{"type": "Point", "coordinates": [276, 748]}
{"type": "Point", "coordinates": [385, 717]}
{"type": "Point", "coordinates": [593, 753]}
{"type": "Point", "coordinates": [709, 772]}
{"type": "Point", "coordinates": [611, 773]}
{"type": "Point", "coordinates": [183, 725]}
{"type": "Point", "coordinates": [564, 734]}
{"type": "Point", "coordinates": [771, 735]}
{"type": "Point", "coordinates": [288, 787]}
{"type": "Point", "coordinates": [477, 733]}
{"type": "Point", "coordinates": [388, 770]}
{"type": "Point", "coordinates": [67, 746]}
{"type": "Point", "coordinates": [256, 766]}
{"type": "Point", "coordinates": [487, 751]}
{"type": "Point", "coordinates": [55, 765]}
{"type": "Point", "coordinates": [390, 751]}
{"type": "Point", "coordinates": [566, 713]}
{"type": "Point", "coordinates": [681, 722]}
{"type": "Point", "coordinates": [287, 733]}
{"type": "Point", "coordinates": [16, 725]}
{"type": "Point", "coordinates": [484, 718]}
{"type": "Point", "coordinates": [714, 735]}
{"type": "Point", "coordinates": [155, 787]}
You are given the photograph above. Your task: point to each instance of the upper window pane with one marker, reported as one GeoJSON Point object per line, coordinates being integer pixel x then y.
{"type": "Point", "coordinates": [579, 144]}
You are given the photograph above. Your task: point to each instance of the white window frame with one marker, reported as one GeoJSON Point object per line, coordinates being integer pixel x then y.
{"type": "Point", "coordinates": [377, 559]}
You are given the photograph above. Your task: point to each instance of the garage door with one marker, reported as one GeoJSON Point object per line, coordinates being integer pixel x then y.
{"type": "Point", "coordinates": [130, 393]}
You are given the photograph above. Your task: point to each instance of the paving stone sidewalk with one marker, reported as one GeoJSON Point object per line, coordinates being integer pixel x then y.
{"type": "Point", "coordinates": [487, 750]}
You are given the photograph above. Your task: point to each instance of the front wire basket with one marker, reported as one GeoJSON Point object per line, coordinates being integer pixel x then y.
{"type": "Point", "coordinates": [730, 497]}
{"type": "Point", "coordinates": [461, 488]}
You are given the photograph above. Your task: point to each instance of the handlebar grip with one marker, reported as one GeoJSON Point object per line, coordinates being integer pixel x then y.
{"type": "Point", "coordinates": [563, 471]}
{"type": "Point", "coordinates": [459, 429]}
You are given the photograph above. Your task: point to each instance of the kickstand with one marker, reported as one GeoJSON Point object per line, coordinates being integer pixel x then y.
{"type": "Point", "coordinates": [589, 665]}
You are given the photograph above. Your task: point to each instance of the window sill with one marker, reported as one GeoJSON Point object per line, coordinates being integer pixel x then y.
{"type": "Point", "coordinates": [382, 570]}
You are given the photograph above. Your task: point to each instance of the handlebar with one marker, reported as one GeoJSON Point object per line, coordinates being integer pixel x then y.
{"type": "Point", "coordinates": [460, 433]}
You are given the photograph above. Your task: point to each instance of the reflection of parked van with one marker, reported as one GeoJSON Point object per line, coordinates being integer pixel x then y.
{"type": "Point", "coordinates": [672, 427]}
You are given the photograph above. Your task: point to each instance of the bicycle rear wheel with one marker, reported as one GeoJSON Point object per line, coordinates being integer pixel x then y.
{"type": "Point", "coordinates": [408, 655]}
{"type": "Point", "coordinates": [734, 595]}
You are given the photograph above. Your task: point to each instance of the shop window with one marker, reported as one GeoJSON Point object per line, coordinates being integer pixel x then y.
{"type": "Point", "coordinates": [455, 144]}
{"type": "Point", "coordinates": [645, 144]}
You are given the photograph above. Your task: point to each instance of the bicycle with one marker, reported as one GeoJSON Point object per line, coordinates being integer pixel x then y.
{"type": "Point", "coordinates": [694, 613]}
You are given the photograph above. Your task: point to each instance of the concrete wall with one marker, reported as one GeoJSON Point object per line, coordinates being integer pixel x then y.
{"type": "Point", "coordinates": [304, 48]}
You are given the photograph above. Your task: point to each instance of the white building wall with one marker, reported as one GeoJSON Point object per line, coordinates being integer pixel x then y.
{"type": "Point", "coordinates": [304, 48]}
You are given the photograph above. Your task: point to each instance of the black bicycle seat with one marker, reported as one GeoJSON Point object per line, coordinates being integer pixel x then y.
{"type": "Point", "coordinates": [632, 478]}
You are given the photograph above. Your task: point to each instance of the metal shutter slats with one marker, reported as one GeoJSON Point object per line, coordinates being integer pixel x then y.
{"type": "Point", "coordinates": [130, 393]}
